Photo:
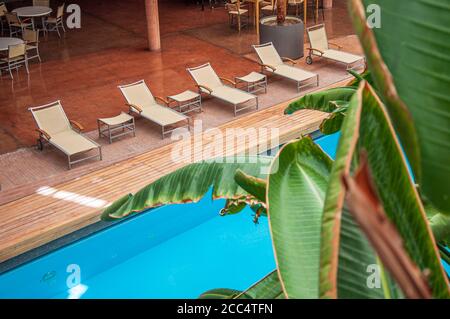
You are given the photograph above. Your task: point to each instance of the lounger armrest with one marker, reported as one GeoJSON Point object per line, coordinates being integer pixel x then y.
{"type": "Point", "coordinates": [164, 101]}
{"type": "Point", "coordinates": [76, 125]}
{"type": "Point", "coordinates": [268, 66]}
{"type": "Point", "coordinates": [285, 59]}
{"type": "Point", "coordinates": [204, 88]}
{"type": "Point", "coordinates": [43, 133]}
{"type": "Point", "coordinates": [311, 50]}
{"type": "Point", "coordinates": [134, 107]}
{"type": "Point", "coordinates": [336, 45]}
{"type": "Point", "coordinates": [228, 81]}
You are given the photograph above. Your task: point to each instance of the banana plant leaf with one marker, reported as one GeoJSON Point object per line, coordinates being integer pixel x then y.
{"type": "Point", "coordinates": [358, 78]}
{"type": "Point", "coordinates": [440, 225]}
{"type": "Point", "coordinates": [332, 124]}
{"type": "Point", "coordinates": [345, 252]}
{"type": "Point", "coordinates": [367, 126]}
{"type": "Point", "coordinates": [408, 57]}
{"type": "Point", "coordinates": [295, 197]}
{"type": "Point", "coordinates": [267, 288]}
{"type": "Point", "coordinates": [190, 184]}
{"type": "Point", "coordinates": [322, 101]}
{"type": "Point", "coordinates": [220, 293]}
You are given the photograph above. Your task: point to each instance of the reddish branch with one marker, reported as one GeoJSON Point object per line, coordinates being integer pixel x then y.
{"type": "Point", "coordinates": [368, 212]}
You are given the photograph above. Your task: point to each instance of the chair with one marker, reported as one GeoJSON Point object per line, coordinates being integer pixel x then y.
{"type": "Point", "coordinates": [269, 9]}
{"type": "Point", "coordinates": [16, 25]}
{"type": "Point", "coordinates": [17, 56]}
{"type": "Point", "coordinates": [319, 46]}
{"type": "Point", "coordinates": [318, 5]}
{"type": "Point", "coordinates": [57, 130]}
{"type": "Point", "coordinates": [3, 11]}
{"type": "Point", "coordinates": [42, 3]}
{"type": "Point", "coordinates": [297, 4]}
{"type": "Point", "coordinates": [141, 101]}
{"type": "Point", "coordinates": [56, 21]}
{"type": "Point", "coordinates": [271, 62]}
{"type": "Point", "coordinates": [31, 38]}
{"type": "Point", "coordinates": [237, 11]}
{"type": "Point", "coordinates": [208, 82]}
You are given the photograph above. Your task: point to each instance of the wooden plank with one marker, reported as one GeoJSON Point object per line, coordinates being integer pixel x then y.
{"type": "Point", "coordinates": [37, 219]}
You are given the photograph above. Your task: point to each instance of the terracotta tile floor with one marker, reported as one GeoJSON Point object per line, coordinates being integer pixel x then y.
{"type": "Point", "coordinates": [84, 68]}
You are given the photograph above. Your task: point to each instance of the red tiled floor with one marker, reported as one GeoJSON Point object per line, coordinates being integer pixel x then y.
{"type": "Point", "coordinates": [84, 69]}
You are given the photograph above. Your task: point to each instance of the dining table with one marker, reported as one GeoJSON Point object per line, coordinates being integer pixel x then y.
{"type": "Point", "coordinates": [5, 42]}
{"type": "Point", "coordinates": [33, 12]}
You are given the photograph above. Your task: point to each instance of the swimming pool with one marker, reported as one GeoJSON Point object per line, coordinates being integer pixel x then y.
{"type": "Point", "coordinates": [176, 251]}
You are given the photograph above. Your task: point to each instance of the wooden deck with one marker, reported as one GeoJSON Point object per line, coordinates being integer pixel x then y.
{"type": "Point", "coordinates": [55, 211]}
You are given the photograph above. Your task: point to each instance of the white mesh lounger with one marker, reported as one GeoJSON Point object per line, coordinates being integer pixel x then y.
{"type": "Point", "coordinates": [56, 129]}
{"type": "Point", "coordinates": [141, 101]}
{"type": "Point", "coordinates": [208, 82]}
{"type": "Point", "coordinates": [271, 62]}
{"type": "Point", "coordinates": [319, 46]}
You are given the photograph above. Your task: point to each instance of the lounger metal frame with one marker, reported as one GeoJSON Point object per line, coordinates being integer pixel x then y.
{"type": "Point", "coordinates": [300, 84]}
{"type": "Point", "coordinates": [163, 131]}
{"type": "Point", "coordinates": [349, 66]}
{"type": "Point", "coordinates": [236, 109]}
{"type": "Point", "coordinates": [42, 139]}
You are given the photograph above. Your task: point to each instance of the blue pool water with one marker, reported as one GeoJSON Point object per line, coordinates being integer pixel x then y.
{"type": "Point", "coordinates": [176, 251]}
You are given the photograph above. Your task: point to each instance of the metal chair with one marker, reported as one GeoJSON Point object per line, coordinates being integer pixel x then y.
{"type": "Point", "coordinates": [237, 11]}
{"type": "Point", "coordinates": [17, 55]}
{"type": "Point", "coordinates": [31, 38]}
{"type": "Point", "coordinates": [56, 21]}
{"type": "Point", "coordinates": [17, 25]}
{"type": "Point", "coordinates": [3, 11]}
{"type": "Point", "coordinates": [297, 4]}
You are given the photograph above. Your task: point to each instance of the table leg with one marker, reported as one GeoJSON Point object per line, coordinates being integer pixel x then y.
{"type": "Point", "coordinates": [44, 27]}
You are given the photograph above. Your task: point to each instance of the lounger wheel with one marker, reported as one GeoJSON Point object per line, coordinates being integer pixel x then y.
{"type": "Point", "coordinates": [309, 60]}
{"type": "Point", "coordinates": [40, 145]}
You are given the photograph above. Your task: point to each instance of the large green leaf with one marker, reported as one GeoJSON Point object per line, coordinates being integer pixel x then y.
{"type": "Point", "coordinates": [414, 43]}
{"type": "Point", "coordinates": [322, 101]}
{"type": "Point", "coordinates": [440, 225]}
{"type": "Point", "coordinates": [190, 184]}
{"type": "Point", "coordinates": [367, 126]}
{"type": "Point", "coordinates": [267, 288]}
{"type": "Point", "coordinates": [396, 189]}
{"type": "Point", "coordinates": [220, 293]}
{"type": "Point", "coordinates": [295, 195]}
{"type": "Point", "coordinates": [346, 255]}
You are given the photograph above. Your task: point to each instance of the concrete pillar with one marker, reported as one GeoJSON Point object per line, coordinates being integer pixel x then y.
{"type": "Point", "coordinates": [152, 14]}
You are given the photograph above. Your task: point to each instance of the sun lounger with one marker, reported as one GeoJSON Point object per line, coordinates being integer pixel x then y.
{"type": "Point", "coordinates": [272, 63]}
{"type": "Point", "coordinates": [319, 46]}
{"type": "Point", "coordinates": [209, 83]}
{"type": "Point", "coordinates": [56, 129]}
{"type": "Point", "coordinates": [141, 101]}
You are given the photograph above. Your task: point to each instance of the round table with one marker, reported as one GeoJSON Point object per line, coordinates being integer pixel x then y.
{"type": "Point", "coordinates": [33, 12]}
{"type": "Point", "coordinates": [6, 42]}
